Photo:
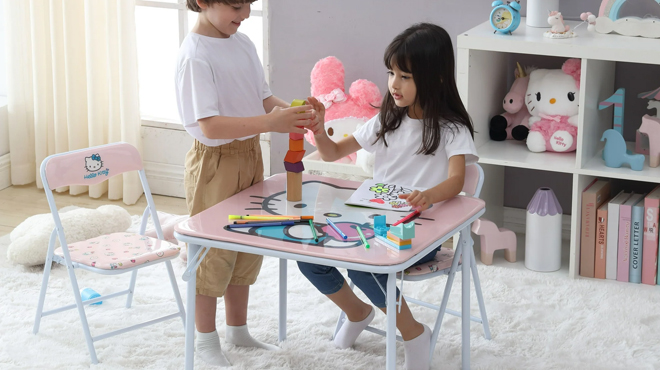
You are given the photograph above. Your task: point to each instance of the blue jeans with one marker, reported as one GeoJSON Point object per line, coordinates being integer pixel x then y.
{"type": "Point", "coordinates": [329, 280]}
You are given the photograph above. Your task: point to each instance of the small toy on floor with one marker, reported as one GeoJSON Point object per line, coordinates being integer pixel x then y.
{"type": "Point", "coordinates": [89, 293]}
{"type": "Point", "coordinates": [494, 238]}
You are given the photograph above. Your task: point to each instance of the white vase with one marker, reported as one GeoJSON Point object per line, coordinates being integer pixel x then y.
{"type": "Point", "coordinates": [543, 232]}
{"type": "Point", "coordinates": [538, 12]}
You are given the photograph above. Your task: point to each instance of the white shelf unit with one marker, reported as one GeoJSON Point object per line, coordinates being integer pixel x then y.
{"type": "Point", "coordinates": [483, 58]}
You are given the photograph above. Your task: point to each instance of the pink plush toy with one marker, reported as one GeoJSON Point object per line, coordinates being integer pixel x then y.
{"type": "Point", "coordinates": [512, 124]}
{"type": "Point", "coordinates": [553, 97]}
{"type": "Point", "coordinates": [344, 113]}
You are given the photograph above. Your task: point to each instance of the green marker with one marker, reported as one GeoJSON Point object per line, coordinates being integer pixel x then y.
{"type": "Point", "coordinates": [311, 224]}
{"type": "Point", "coordinates": [364, 240]}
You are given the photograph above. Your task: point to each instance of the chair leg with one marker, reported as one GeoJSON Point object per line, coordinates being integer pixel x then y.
{"type": "Point", "coordinates": [131, 289]}
{"type": "Point", "coordinates": [44, 282]}
{"type": "Point", "coordinates": [480, 297]}
{"type": "Point", "coordinates": [445, 298]}
{"type": "Point", "coordinates": [342, 316]}
{"type": "Point", "coordinates": [177, 294]}
{"type": "Point", "coordinates": [81, 313]}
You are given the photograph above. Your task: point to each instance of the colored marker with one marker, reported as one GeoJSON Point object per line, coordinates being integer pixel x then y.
{"type": "Point", "coordinates": [364, 240]}
{"type": "Point", "coordinates": [311, 224]}
{"type": "Point", "coordinates": [257, 218]}
{"type": "Point", "coordinates": [290, 216]}
{"type": "Point", "coordinates": [262, 224]}
{"type": "Point", "coordinates": [407, 218]}
{"type": "Point", "coordinates": [336, 228]}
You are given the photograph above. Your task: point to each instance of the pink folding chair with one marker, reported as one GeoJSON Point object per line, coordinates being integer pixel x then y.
{"type": "Point", "coordinates": [474, 179]}
{"type": "Point", "coordinates": [111, 254]}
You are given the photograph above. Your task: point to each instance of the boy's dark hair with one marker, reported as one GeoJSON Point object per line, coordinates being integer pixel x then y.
{"type": "Point", "coordinates": [425, 51]}
{"type": "Point", "coordinates": [192, 4]}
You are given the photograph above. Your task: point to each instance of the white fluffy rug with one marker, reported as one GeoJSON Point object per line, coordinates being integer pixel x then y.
{"type": "Point", "coordinates": [538, 321]}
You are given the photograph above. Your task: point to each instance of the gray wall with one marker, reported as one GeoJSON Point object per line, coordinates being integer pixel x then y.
{"type": "Point", "coordinates": [357, 32]}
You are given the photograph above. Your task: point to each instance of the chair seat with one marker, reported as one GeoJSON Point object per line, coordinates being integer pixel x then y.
{"type": "Point", "coordinates": [119, 251]}
{"type": "Point", "coordinates": [441, 261]}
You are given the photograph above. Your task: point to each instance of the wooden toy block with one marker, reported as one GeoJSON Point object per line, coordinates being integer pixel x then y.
{"type": "Point", "coordinates": [494, 238]}
{"type": "Point", "coordinates": [404, 231]}
{"type": "Point", "coordinates": [651, 127]}
{"type": "Point", "coordinates": [297, 102]}
{"type": "Point", "coordinates": [294, 156]}
{"type": "Point", "coordinates": [380, 221]}
{"type": "Point", "coordinates": [615, 153]}
{"type": "Point", "coordinates": [617, 100]}
{"type": "Point", "coordinates": [398, 241]}
{"type": "Point", "coordinates": [295, 136]}
{"type": "Point", "coordinates": [294, 167]}
{"type": "Point", "coordinates": [297, 145]}
{"type": "Point", "coordinates": [294, 186]}
{"type": "Point", "coordinates": [391, 244]}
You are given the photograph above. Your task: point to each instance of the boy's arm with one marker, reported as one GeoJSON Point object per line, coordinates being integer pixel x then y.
{"type": "Point", "coordinates": [278, 120]}
{"type": "Point", "coordinates": [272, 102]}
{"type": "Point", "coordinates": [443, 191]}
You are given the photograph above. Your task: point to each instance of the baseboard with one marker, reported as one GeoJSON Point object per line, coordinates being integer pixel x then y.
{"type": "Point", "coordinates": [5, 171]}
{"type": "Point", "coordinates": [165, 179]}
{"type": "Point", "coordinates": [514, 220]}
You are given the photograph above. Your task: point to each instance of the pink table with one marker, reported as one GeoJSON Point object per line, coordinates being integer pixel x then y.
{"type": "Point", "coordinates": [322, 197]}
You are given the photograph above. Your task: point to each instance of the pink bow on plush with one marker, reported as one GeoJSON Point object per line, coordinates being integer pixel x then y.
{"type": "Point", "coordinates": [334, 96]}
{"type": "Point", "coordinates": [554, 118]}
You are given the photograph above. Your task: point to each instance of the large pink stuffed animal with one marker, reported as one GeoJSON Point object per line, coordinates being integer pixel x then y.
{"type": "Point", "coordinates": [553, 97]}
{"type": "Point", "coordinates": [344, 113]}
{"type": "Point", "coordinates": [512, 124]}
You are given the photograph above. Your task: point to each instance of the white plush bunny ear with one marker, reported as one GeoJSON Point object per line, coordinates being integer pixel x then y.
{"type": "Point", "coordinates": [327, 75]}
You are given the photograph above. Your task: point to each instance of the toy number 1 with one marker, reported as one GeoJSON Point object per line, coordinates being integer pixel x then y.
{"type": "Point", "coordinates": [617, 100]}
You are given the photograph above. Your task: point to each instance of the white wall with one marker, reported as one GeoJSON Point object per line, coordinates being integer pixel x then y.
{"type": "Point", "coordinates": [4, 139]}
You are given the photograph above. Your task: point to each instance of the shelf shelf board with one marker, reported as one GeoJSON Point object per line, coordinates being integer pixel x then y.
{"type": "Point", "coordinates": [314, 162]}
{"type": "Point", "coordinates": [596, 167]}
{"type": "Point", "coordinates": [590, 45]}
{"type": "Point", "coordinates": [512, 153]}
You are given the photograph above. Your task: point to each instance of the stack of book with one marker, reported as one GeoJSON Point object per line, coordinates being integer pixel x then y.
{"type": "Point", "coordinates": [619, 235]}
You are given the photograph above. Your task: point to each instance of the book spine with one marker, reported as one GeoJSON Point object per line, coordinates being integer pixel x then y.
{"type": "Point", "coordinates": [612, 240]}
{"type": "Point", "coordinates": [636, 228]}
{"type": "Point", "coordinates": [588, 238]}
{"type": "Point", "coordinates": [601, 243]}
{"type": "Point", "coordinates": [650, 245]}
{"type": "Point", "coordinates": [623, 264]}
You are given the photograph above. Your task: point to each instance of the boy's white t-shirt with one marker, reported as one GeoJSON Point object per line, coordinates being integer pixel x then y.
{"type": "Point", "coordinates": [399, 164]}
{"type": "Point", "coordinates": [218, 77]}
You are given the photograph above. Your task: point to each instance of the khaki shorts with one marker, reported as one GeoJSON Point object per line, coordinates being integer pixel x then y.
{"type": "Point", "coordinates": [212, 175]}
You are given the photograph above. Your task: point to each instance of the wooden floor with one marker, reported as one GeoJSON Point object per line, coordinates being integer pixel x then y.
{"type": "Point", "coordinates": [20, 202]}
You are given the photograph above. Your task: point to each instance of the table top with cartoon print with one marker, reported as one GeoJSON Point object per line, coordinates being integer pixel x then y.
{"type": "Point", "coordinates": [324, 197]}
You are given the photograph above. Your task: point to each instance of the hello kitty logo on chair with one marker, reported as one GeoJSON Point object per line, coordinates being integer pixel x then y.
{"type": "Point", "coordinates": [93, 163]}
{"type": "Point", "coordinates": [344, 112]}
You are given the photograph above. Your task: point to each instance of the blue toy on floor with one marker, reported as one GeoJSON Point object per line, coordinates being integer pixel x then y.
{"type": "Point", "coordinates": [615, 153]}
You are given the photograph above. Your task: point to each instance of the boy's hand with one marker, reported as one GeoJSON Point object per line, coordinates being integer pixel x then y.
{"type": "Point", "coordinates": [417, 199]}
{"type": "Point", "coordinates": [292, 119]}
{"type": "Point", "coordinates": [318, 122]}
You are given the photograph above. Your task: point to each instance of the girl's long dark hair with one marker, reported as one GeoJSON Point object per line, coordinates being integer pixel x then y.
{"type": "Point", "coordinates": [425, 51]}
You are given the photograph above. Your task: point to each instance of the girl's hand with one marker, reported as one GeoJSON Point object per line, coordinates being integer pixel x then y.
{"type": "Point", "coordinates": [417, 199]}
{"type": "Point", "coordinates": [292, 119]}
{"type": "Point", "coordinates": [318, 122]}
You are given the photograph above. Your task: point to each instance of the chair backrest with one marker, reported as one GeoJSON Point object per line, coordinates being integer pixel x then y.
{"type": "Point", "coordinates": [474, 180]}
{"type": "Point", "coordinates": [89, 166]}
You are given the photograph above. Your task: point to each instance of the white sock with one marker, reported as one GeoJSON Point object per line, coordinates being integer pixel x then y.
{"type": "Point", "coordinates": [240, 336]}
{"type": "Point", "coordinates": [418, 350]}
{"type": "Point", "coordinates": [350, 330]}
{"type": "Point", "coordinates": [208, 349]}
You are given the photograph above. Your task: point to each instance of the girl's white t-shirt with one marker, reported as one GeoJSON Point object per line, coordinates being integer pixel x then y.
{"type": "Point", "coordinates": [399, 162]}
{"type": "Point", "coordinates": [218, 77]}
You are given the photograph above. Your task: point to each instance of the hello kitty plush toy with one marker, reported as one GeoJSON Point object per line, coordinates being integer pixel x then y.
{"type": "Point", "coordinates": [553, 101]}
{"type": "Point", "coordinates": [344, 113]}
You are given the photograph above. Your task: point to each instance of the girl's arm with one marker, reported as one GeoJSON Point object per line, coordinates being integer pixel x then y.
{"type": "Point", "coordinates": [329, 150]}
{"type": "Point", "coordinates": [449, 188]}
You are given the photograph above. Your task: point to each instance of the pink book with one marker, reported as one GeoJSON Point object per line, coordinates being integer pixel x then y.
{"type": "Point", "coordinates": [623, 256]}
{"type": "Point", "coordinates": [650, 241]}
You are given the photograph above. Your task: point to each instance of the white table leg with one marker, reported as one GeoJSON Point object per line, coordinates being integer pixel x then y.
{"type": "Point", "coordinates": [465, 308]}
{"type": "Point", "coordinates": [190, 309]}
{"type": "Point", "coordinates": [282, 318]}
{"type": "Point", "coordinates": [390, 337]}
